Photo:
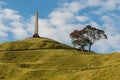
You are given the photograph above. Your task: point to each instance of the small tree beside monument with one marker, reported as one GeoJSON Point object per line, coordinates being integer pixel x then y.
{"type": "Point", "coordinates": [87, 37]}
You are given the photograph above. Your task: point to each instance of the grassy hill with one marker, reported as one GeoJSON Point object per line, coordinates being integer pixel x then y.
{"type": "Point", "coordinates": [46, 59]}
{"type": "Point", "coordinates": [33, 43]}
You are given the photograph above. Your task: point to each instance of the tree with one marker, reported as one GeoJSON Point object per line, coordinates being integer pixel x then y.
{"type": "Point", "coordinates": [87, 37]}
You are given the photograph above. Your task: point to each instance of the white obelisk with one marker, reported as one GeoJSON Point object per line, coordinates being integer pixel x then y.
{"type": "Point", "coordinates": [36, 35]}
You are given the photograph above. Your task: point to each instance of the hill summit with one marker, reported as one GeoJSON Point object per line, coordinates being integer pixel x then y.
{"type": "Point", "coordinates": [33, 44]}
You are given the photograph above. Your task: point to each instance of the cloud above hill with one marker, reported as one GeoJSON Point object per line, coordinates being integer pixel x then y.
{"type": "Point", "coordinates": [102, 14]}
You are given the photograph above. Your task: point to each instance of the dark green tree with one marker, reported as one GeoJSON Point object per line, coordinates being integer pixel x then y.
{"type": "Point", "coordinates": [87, 37]}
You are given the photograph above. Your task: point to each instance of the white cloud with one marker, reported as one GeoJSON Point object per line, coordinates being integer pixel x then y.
{"type": "Point", "coordinates": [111, 4]}
{"type": "Point", "coordinates": [11, 23]}
{"type": "Point", "coordinates": [3, 34]}
{"type": "Point", "coordinates": [93, 3]}
{"type": "Point", "coordinates": [71, 7]}
{"type": "Point", "coordinates": [59, 17]}
{"type": "Point", "coordinates": [109, 25]}
{"type": "Point", "coordinates": [74, 7]}
{"type": "Point", "coordinates": [101, 46]}
{"type": "Point", "coordinates": [82, 18]}
{"type": "Point", "coordinates": [3, 27]}
{"type": "Point", "coordinates": [19, 33]}
{"type": "Point", "coordinates": [9, 14]}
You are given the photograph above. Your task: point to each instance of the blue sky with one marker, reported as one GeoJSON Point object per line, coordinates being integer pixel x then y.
{"type": "Point", "coordinates": [58, 18]}
{"type": "Point", "coordinates": [28, 7]}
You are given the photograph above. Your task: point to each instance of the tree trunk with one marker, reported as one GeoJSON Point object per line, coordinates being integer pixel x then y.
{"type": "Point", "coordinates": [81, 49]}
{"type": "Point", "coordinates": [89, 48]}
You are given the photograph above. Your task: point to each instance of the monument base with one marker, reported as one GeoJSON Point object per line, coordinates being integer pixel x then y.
{"type": "Point", "coordinates": [36, 35]}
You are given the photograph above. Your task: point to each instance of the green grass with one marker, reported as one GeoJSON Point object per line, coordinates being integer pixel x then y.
{"type": "Point", "coordinates": [55, 64]}
{"type": "Point", "coordinates": [33, 43]}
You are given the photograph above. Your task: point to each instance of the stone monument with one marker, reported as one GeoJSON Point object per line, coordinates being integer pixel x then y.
{"type": "Point", "coordinates": [36, 35]}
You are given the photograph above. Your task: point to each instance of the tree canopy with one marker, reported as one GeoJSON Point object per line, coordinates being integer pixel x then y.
{"type": "Point", "coordinates": [87, 37]}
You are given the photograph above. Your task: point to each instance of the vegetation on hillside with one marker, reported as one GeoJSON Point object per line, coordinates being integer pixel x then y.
{"type": "Point", "coordinates": [35, 61]}
{"type": "Point", "coordinates": [32, 44]}
{"type": "Point", "coordinates": [87, 37]}
{"type": "Point", "coordinates": [58, 64]}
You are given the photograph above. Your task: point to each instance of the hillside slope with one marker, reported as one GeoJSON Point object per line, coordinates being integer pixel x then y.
{"type": "Point", "coordinates": [64, 63]}
{"type": "Point", "coordinates": [33, 43]}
